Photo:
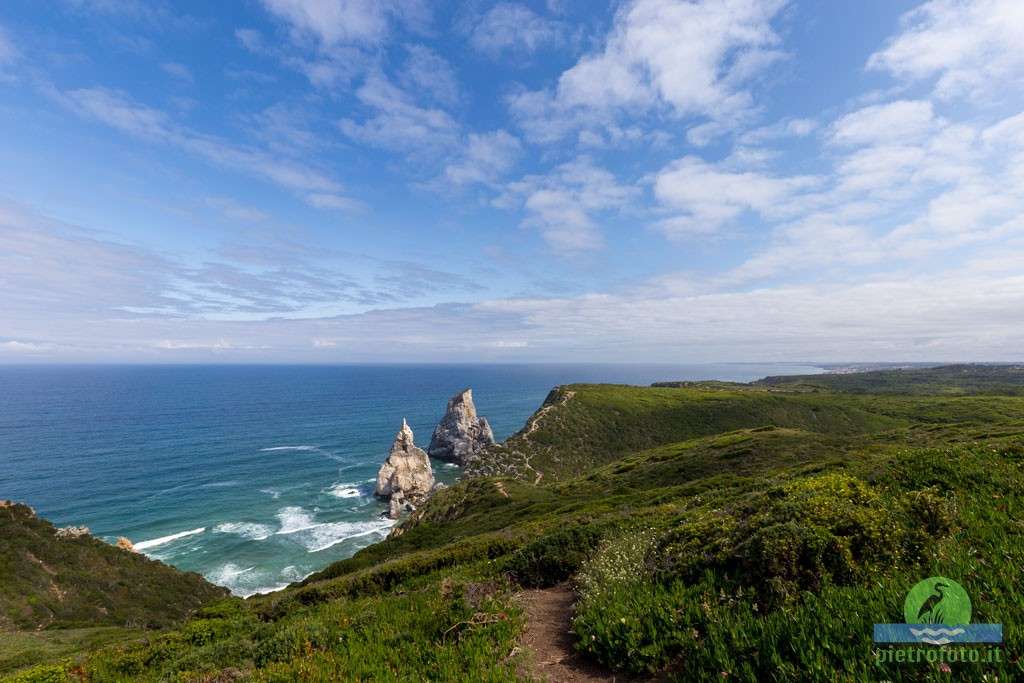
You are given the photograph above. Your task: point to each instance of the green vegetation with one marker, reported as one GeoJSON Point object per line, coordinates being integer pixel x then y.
{"type": "Point", "coordinates": [711, 532]}
{"type": "Point", "coordinates": [1003, 380]}
{"type": "Point", "coordinates": [52, 582]}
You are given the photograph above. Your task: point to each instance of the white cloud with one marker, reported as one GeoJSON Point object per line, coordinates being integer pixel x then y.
{"type": "Point", "coordinates": [8, 53]}
{"type": "Point", "coordinates": [322, 200]}
{"type": "Point", "coordinates": [237, 211]}
{"type": "Point", "coordinates": [250, 38]}
{"type": "Point", "coordinates": [26, 347]}
{"type": "Point", "coordinates": [132, 9]}
{"type": "Point", "coordinates": [486, 158]}
{"type": "Point", "coordinates": [285, 128]}
{"type": "Point", "coordinates": [955, 314]}
{"type": "Point", "coordinates": [681, 58]}
{"type": "Point", "coordinates": [711, 196]}
{"type": "Point", "coordinates": [179, 71]}
{"type": "Point", "coordinates": [333, 22]}
{"type": "Point", "coordinates": [906, 188]}
{"type": "Point", "coordinates": [902, 150]}
{"type": "Point", "coordinates": [973, 47]}
{"type": "Point", "coordinates": [563, 204]}
{"type": "Point", "coordinates": [902, 122]}
{"type": "Point", "coordinates": [49, 269]}
{"type": "Point", "coordinates": [515, 28]}
{"type": "Point", "coordinates": [119, 111]}
{"type": "Point", "coordinates": [400, 125]}
{"type": "Point", "coordinates": [428, 73]}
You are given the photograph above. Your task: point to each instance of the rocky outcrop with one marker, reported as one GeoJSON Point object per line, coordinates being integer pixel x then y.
{"type": "Point", "coordinates": [124, 544]}
{"type": "Point", "coordinates": [72, 532]}
{"type": "Point", "coordinates": [460, 435]}
{"type": "Point", "coordinates": [405, 480]}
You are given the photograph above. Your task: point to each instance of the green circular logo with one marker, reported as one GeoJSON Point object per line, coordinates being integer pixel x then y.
{"type": "Point", "coordinates": [937, 600]}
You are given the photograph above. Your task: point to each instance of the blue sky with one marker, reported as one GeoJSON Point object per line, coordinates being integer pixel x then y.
{"type": "Point", "coordinates": [649, 180]}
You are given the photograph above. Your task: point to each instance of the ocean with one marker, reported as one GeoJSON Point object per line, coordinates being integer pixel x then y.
{"type": "Point", "coordinates": [254, 476]}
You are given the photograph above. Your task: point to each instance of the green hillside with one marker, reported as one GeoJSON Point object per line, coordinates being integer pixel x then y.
{"type": "Point", "coordinates": [70, 586]}
{"type": "Point", "coordinates": [51, 582]}
{"type": "Point", "coordinates": [709, 532]}
{"type": "Point", "coordinates": [948, 379]}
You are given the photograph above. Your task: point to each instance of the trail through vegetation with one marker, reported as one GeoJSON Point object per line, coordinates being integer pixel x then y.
{"type": "Point", "coordinates": [548, 635]}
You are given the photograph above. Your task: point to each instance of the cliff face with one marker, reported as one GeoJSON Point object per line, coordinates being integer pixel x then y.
{"type": "Point", "coordinates": [405, 479]}
{"type": "Point", "coordinates": [460, 435]}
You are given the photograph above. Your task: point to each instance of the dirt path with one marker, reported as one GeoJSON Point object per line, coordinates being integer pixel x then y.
{"type": "Point", "coordinates": [547, 636]}
{"type": "Point", "coordinates": [534, 423]}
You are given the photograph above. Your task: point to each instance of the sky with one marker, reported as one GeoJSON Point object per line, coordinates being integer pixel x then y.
{"type": "Point", "coordinates": [680, 181]}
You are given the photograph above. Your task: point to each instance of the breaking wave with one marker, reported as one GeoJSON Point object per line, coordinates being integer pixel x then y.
{"type": "Point", "coordinates": [317, 536]}
{"type": "Point", "coordinates": [344, 490]}
{"type": "Point", "coordinates": [167, 539]}
{"type": "Point", "coordinates": [249, 530]}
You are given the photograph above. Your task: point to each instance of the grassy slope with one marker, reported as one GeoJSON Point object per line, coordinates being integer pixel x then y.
{"type": "Point", "coordinates": [950, 379]}
{"type": "Point", "coordinates": [757, 531]}
{"type": "Point", "coordinates": [49, 582]}
{"type": "Point", "coordinates": [82, 591]}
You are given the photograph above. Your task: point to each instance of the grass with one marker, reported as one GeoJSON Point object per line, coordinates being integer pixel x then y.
{"type": "Point", "coordinates": [21, 650]}
{"type": "Point", "coordinates": [724, 532]}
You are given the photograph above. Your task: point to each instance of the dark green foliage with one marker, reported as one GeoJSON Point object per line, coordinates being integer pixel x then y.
{"type": "Point", "coordinates": [51, 582]}
{"type": "Point", "coordinates": [553, 558]}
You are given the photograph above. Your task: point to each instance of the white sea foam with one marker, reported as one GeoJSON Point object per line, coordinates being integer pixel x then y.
{"type": "Point", "coordinates": [252, 580]}
{"type": "Point", "coordinates": [324, 536]}
{"type": "Point", "coordinates": [228, 573]}
{"type": "Point", "coordinates": [309, 449]}
{"type": "Point", "coordinates": [344, 490]}
{"type": "Point", "coordinates": [249, 530]}
{"type": "Point", "coordinates": [294, 519]}
{"type": "Point", "coordinates": [219, 485]}
{"type": "Point", "coordinates": [273, 494]}
{"type": "Point", "coordinates": [143, 545]}
{"type": "Point", "coordinates": [234, 578]}
{"type": "Point", "coordinates": [316, 536]}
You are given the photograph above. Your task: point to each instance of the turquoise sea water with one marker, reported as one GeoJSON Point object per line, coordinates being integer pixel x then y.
{"type": "Point", "coordinates": [254, 476]}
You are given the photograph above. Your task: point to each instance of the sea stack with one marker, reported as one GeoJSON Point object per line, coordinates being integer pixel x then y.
{"type": "Point", "coordinates": [460, 435]}
{"type": "Point", "coordinates": [405, 479]}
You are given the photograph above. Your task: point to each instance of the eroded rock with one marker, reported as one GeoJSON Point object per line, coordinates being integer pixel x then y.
{"type": "Point", "coordinates": [405, 479]}
{"type": "Point", "coordinates": [460, 435]}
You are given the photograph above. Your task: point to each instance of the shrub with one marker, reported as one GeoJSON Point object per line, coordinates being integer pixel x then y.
{"type": "Point", "coordinates": [552, 558]}
{"type": "Point", "coordinates": [624, 620]}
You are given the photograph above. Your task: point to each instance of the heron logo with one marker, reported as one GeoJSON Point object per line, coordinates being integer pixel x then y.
{"type": "Point", "coordinates": [937, 611]}
{"type": "Point", "coordinates": [937, 600]}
